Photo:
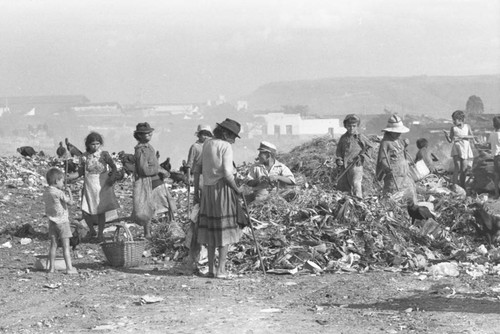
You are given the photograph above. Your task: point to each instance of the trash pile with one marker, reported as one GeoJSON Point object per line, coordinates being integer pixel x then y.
{"type": "Point", "coordinates": [315, 161]}
{"type": "Point", "coordinates": [320, 228]}
{"type": "Point", "coordinates": [21, 171]}
{"type": "Point", "coordinates": [330, 231]}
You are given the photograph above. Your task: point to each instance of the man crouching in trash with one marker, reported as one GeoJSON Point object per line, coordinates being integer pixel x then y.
{"type": "Point", "coordinates": [267, 173]}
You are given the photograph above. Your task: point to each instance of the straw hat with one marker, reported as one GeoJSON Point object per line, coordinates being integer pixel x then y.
{"type": "Point", "coordinates": [395, 124]}
{"type": "Point", "coordinates": [143, 128]}
{"type": "Point", "coordinates": [203, 128]}
{"type": "Point", "coordinates": [231, 125]}
{"type": "Point", "coordinates": [267, 147]}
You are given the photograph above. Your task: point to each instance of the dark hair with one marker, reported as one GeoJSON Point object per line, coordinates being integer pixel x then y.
{"type": "Point", "coordinates": [496, 122]}
{"type": "Point", "coordinates": [205, 133]}
{"type": "Point", "coordinates": [459, 115]}
{"type": "Point", "coordinates": [92, 137]}
{"type": "Point", "coordinates": [421, 143]}
{"type": "Point", "coordinates": [351, 119]}
{"type": "Point", "coordinates": [53, 175]}
{"type": "Point", "coordinates": [221, 132]}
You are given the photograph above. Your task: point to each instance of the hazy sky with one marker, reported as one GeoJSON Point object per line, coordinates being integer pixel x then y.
{"type": "Point", "coordinates": [191, 51]}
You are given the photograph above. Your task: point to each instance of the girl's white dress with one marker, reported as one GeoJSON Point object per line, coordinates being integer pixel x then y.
{"type": "Point", "coordinates": [461, 146]}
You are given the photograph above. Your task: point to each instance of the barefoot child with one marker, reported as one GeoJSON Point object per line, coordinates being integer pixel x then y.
{"type": "Point", "coordinates": [460, 135]}
{"type": "Point", "coordinates": [495, 151]}
{"type": "Point", "coordinates": [56, 209]}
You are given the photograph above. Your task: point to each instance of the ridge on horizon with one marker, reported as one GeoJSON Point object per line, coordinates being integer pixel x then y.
{"type": "Point", "coordinates": [438, 95]}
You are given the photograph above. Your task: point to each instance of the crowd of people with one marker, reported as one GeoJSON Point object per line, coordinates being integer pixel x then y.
{"type": "Point", "coordinates": [220, 194]}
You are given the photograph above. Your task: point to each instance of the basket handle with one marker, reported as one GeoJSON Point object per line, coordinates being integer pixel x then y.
{"type": "Point", "coordinates": [123, 225]}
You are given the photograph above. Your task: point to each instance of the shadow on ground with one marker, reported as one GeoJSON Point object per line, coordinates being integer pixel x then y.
{"type": "Point", "coordinates": [468, 303]}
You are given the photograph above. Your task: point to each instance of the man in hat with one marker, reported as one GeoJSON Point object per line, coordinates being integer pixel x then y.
{"type": "Point", "coordinates": [392, 166]}
{"type": "Point", "coordinates": [203, 132]}
{"type": "Point", "coordinates": [351, 153]}
{"type": "Point", "coordinates": [267, 173]}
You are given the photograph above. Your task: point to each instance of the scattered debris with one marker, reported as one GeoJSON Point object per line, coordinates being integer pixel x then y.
{"type": "Point", "coordinates": [148, 299]}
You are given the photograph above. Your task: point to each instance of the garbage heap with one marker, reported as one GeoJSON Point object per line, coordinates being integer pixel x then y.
{"type": "Point", "coordinates": [319, 228]}
{"type": "Point", "coordinates": [323, 229]}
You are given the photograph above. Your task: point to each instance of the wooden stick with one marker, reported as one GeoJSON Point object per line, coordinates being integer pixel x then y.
{"type": "Point", "coordinates": [253, 234]}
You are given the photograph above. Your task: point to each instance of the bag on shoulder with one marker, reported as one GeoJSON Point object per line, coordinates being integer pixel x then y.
{"type": "Point", "coordinates": [146, 163]}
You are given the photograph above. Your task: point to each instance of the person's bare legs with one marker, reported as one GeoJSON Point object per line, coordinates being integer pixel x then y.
{"type": "Point", "coordinates": [67, 257]}
{"type": "Point", "coordinates": [52, 253]}
{"type": "Point", "coordinates": [463, 170]}
{"type": "Point", "coordinates": [221, 269]}
{"type": "Point", "coordinates": [89, 220]}
{"type": "Point", "coordinates": [147, 229]}
{"type": "Point", "coordinates": [211, 260]}
{"type": "Point", "coordinates": [101, 220]}
{"type": "Point", "coordinates": [456, 169]}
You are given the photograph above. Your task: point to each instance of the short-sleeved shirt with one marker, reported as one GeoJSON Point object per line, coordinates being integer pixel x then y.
{"type": "Point", "coordinates": [194, 154]}
{"type": "Point", "coordinates": [349, 146]}
{"type": "Point", "coordinates": [495, 143]}
{"type": "Point", "coordinates": [56, 205]}
{"type": "Point", "coordinates": [216, 161]}
{"type": "Point", "coordinates": [278, 169]}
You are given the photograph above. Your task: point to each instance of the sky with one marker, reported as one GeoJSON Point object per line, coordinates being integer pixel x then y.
{"type": "Point", "coordinates": [193, 51]}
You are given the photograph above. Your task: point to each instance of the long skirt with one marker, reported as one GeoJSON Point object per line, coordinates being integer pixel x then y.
{"type": "Point", "coordinates": [97, 196]}
{"type": "Point", "coordinates": [148, 202]}
{"type": "Point", "coordinates": [220, 216]}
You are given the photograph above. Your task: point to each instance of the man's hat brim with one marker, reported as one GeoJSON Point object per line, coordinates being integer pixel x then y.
{"type": "Point", "coordinates": [225, 127]}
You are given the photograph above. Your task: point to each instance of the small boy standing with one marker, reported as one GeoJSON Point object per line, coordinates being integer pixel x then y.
{"type": "Point", "coordinates": [495, 151]}
{"type": "Point", "coordinates": [56, 209]}
{"type": "Point", "coordinates": [351, 152]}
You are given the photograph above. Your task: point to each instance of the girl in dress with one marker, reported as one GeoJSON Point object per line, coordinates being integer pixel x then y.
{"type": "Point", "coordinates": [460, 136]}
{"type": "Point", "coordinates": [98, 195]}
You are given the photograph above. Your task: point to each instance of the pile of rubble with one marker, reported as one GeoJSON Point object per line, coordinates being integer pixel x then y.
{"type": "Point", "coordinates": [320, 228]}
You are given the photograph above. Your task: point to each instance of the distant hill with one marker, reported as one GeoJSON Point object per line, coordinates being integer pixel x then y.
{"type": "Point", "coordinates": [421, 95]}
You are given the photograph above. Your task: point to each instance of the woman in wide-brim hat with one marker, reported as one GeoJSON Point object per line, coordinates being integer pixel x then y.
{"type": "Point", "coordinates": [220, 210]}
{"type": "Point", "coordinates": [392, 166]}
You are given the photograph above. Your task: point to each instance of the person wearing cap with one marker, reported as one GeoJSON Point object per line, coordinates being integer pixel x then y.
{"type": "Point", "coordinates": [220, 210]}
{"type": "Point", "coordinates": [150, 194]}
{"type": "Point", "coordinates": [267, 173]}
{"type": "Point", "coordinates": [392, 166]}
{"type": "Point", "coordinates": [203, 132]}
{"type": "Point", "coordinates": [351, 152]}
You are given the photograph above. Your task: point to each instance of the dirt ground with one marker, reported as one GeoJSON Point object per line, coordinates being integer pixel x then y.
{"type": "Point", "coordinates": [107, 299]}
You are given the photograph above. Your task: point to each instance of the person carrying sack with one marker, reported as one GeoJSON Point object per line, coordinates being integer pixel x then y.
{"type": "Point", "coordinates": [150, 194]}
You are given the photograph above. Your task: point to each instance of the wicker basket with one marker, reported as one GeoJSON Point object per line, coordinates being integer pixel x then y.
{"type": "Point", "coordinates": [123, 253]}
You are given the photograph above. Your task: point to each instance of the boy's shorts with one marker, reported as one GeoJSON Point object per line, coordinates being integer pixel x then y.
{"type": "Point", "coordinates": [61, 231]}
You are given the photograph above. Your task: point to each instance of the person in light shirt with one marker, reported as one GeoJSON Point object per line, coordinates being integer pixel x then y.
{"type": "Point", "coordinates": [267, 173]}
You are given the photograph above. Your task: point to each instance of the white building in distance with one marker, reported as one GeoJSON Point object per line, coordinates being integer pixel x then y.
{"type": "Point", "coordinates": [285, 124]}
